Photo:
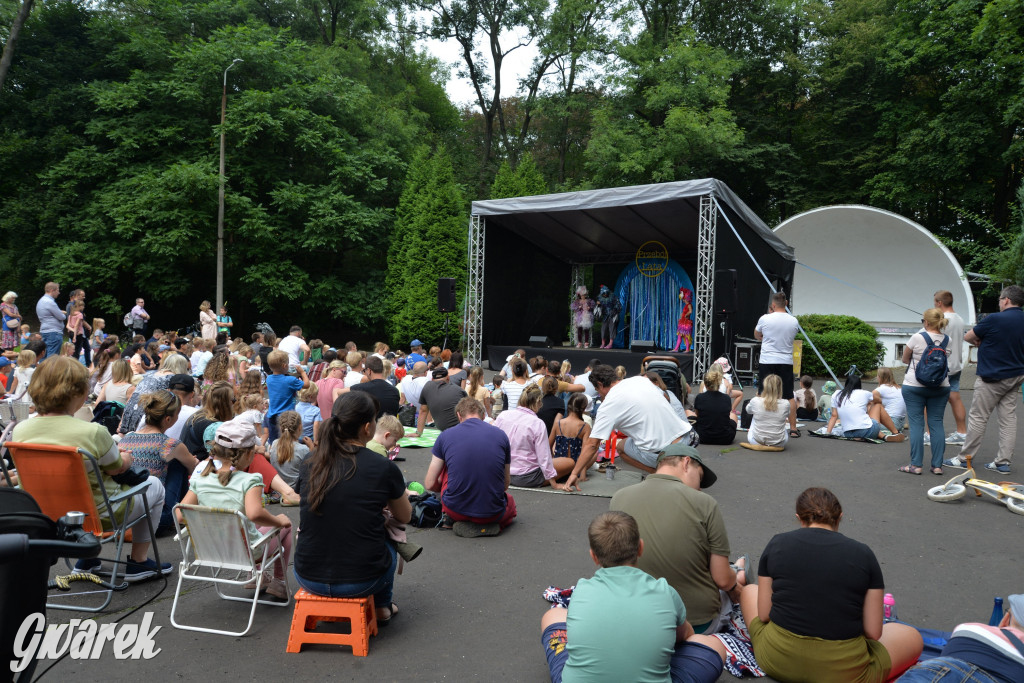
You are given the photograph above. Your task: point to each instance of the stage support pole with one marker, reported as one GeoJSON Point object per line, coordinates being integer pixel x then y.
{"type": "Point", "coordinates": [705, 295]}
{"type": "Point", "coordinates": [473, 311]}
{"type": "Point", "coordinates": [771, 287]}
{"type": "Point", "coordinates": [577, 282]}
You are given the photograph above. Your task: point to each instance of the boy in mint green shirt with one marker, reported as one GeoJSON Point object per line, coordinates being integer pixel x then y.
{"type": "Point", "coordinates": [623, 624]}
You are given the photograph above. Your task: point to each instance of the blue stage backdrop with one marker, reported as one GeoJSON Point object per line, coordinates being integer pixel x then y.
{"type": "Point", "coordinates": [652, 304]}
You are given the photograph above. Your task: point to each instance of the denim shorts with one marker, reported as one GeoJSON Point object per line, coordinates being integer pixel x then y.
{"type": "Point", "coordinates": [866, 433]}
{"type": "Point", "coordinates": [899, 422]}
{"type": "Point", "coordinates": [691, 662]}
{"type": "Point", "coordinates": [954, 381]}
{"type": "Point", "coordinates": [948, 669]}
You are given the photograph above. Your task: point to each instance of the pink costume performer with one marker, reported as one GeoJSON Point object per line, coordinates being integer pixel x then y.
{"type": "Point", "coordinates": [582, 316]}
{"type": "Point", "coordinates": [684, 330]}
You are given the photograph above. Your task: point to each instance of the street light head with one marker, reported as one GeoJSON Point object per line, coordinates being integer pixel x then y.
{"type": "Point", "coordinates": [236, 61]}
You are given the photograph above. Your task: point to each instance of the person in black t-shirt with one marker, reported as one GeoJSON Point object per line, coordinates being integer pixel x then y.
{"type": "Point", "coordinates": [815, 583]}
{"type": "Point", "coordinates": [344, 550]}
{"type": "Point", "coordinates": [716, 423]}
{"type": "Point", "coordinates": [388, 397]}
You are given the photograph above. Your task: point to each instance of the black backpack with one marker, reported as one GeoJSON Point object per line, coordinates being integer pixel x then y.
{"type": "Point", "coordinates": [933, 367]}
{"type": "Point", "coordinates": [426, 510]}
{"type": "Point", "coordinates": [108, 414]}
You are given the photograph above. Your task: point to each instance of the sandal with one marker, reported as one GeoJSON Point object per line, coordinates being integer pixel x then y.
{"type": "Point", "coordinates": [794, 433]}
{"type": "Point", "coordinates": [910, 469]}
{"type": "Point", "coordinates": [937, 470]}
{"type": "Point", "coordinates": [392, 611]}
{"type": "Point", "coordinates": [737, 568]}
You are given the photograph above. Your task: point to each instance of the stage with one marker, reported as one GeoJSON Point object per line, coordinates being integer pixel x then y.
{"type": "Point", "coordinates": [580, 358]}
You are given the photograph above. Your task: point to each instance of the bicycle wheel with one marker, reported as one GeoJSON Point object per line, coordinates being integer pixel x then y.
{"type": "Point", "coordinates": [947, 493]}
{"type": "Point", "coordinates": [1015, 505]}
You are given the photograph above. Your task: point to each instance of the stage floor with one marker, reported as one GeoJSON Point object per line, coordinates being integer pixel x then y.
{"type": "Point", "coordinates": [580, 358]}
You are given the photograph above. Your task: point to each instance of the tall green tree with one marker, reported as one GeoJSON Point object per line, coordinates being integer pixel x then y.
{"type": "Point", "coordinates": [429, 243]}
{"type": "Point", "coordinates": [524, 181]}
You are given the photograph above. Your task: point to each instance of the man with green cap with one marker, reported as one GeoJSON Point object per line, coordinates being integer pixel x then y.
{"type": "Point", "coordinates": [684, 535]}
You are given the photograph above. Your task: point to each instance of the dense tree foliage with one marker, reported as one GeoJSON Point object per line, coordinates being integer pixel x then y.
{"type": "Point", "coordinates": [109, 128]}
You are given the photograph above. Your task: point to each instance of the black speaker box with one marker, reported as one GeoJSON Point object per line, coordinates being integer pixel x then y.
{"type": "Point", "coordinates": [726, 296]}
{"type": "Point", "coordinates": [643, 346]}
{"type": "Point", "coordinates": [446, 294]}
{"type": "Point", "coordinates": [540, 341]}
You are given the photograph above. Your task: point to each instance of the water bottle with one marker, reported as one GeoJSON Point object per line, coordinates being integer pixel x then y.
{"type": "Point", "coordinates": [889, 607]}
{"type": "Point", "coordinates": [997, 612]}
{"type": "Point", "coordinates": [609, 473]}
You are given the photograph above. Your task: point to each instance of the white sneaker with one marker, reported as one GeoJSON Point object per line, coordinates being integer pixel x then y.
{"type": "Point", "coordinates": [956, 438]}
{"type": "Point", "coordinates": [927, 438]}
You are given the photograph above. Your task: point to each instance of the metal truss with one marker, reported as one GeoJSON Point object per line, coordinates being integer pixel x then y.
{"type": "Point", "coordinates": [473, 312]}
{"type": "Point", "coordinates": [705, 295]}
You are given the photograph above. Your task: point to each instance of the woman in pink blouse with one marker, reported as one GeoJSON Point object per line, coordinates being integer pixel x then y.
{"type": "Point", "coordinates": [532, 464]}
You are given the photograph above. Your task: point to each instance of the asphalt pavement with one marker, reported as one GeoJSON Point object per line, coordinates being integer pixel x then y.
{"type": "Point", "coordinates": [470, 608]}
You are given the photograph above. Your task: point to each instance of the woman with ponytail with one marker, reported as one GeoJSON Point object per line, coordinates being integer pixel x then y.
{"type": "Point", "coordinates": [291, 449]}
{"type": "Point", "coordinates": [344, 550]}
{"type": "Point", "coordinates": [222, 483]}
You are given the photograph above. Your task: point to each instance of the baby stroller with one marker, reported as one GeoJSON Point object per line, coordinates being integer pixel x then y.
{"type": "Point", "coordinates": [668, 369]}
{"type": "Point", "coordinates": [30, 543]}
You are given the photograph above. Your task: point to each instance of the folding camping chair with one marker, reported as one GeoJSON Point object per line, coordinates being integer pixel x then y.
{"type": "Point", "coordinates": [56, 477]}
{"type": "Point", "coordinates": [215, 539]}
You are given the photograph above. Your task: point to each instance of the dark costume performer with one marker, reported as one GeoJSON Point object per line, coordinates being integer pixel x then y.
{"type": "Point", "coordinates": [608, 309]}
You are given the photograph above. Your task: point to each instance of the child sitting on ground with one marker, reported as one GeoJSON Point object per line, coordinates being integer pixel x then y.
{"type": "Point", "coordinates": [825, 401]}
{"type": "Point", "coordinates": [309, 411]}
{"type": "Point", "coordinates": [250, 411]}
{"type": "Point", "coordinates": [563, 445]}
{"type": "Point", "coordinates": [288, 451]}
{"type": "Point", "coordinates": [497, 397]}
{"type": "Point", "coordinates": [233, 449]}
{"type": "Point", "coordinates": [806, 401]}
{"type": "Point", "coordinates": [653, 640]}
{"type": "Point", "coordinates": [385, 439]}
{"type": "Point", "coordinates": [891, 396]}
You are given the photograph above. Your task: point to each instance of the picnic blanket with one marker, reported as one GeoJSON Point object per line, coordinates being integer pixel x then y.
{"type": "Point", "coordinates": [430, 435]}
{"type": "Point", "coordinates": [843, 438]}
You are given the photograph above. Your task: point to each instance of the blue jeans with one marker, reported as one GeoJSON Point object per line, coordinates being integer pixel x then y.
{"type": "Point", "coordinates": [380, 588]}
{"type": "Point", "coordinates": [175, 488]}
{"type": "Point", "coordinates": [53, 341]}
{"type": "Point", "coordinates": [948, 669]}
{"type": "Point", "coordinates": [935, 400]}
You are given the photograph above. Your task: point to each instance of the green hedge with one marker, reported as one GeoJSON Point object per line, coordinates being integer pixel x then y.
{"type": "Point", "coordinates": [843, 340]}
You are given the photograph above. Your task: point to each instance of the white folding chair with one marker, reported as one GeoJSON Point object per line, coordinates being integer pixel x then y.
{"type": "Point", "coordinates": [214, 543]}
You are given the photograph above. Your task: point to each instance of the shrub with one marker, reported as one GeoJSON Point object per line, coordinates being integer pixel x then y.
{"type": "Point", "coordinates": [843, 340]}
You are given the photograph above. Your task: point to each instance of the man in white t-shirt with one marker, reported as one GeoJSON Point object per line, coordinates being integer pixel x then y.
{"type": "Point", "coordinates": [955, 359]}
{"type": "Point", "coordinates": [776, 331]}
{"type": "Point", "coordinates": [293, 344]}
{"type": "Point", "coordinates": [637, 408]}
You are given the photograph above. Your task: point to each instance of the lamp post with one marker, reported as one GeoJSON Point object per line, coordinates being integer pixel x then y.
{"type": "Point", "coordinates": [220, 198]}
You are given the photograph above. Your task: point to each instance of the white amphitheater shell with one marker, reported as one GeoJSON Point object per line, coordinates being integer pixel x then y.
{"type": "Point", "coordinates": [875, 265]}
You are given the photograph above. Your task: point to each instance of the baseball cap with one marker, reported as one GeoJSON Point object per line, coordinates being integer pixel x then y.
{"type": "Point", "coordinates": [185, 383]}
{"type": "Point", "coordinates": [1016, 603]}
{"type": "Point", "coordinates": [163, 347]}
{"type": "Point", "coordinates": [400, 362]}
{"type": "Point", "coordinates": [682, 451]}
{"type": "Point", "coordinates": [4, 361]}
{"type": "Point", "coordinates": [233, 434]}
{"type": "Point", "coordinates": [415, 342]}
{"type": "Point", "coordinates": [438, 373]}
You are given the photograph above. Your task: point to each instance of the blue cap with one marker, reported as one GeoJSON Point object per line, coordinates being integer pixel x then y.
{"type": "Point", "coordinates": [415, 342]}
{"type": "Point", "coordinates": [4, 361]}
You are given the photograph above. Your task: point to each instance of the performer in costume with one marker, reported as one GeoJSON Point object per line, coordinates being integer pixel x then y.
{"type": "Point", "coordinates": [608, 308]}
{"type": "Point", "coordinates": [684, 330]}
{"type": "Point", "coordinates": [582, 308]}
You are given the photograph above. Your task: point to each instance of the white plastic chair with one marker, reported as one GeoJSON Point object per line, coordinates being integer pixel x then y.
{"type": "Point", "coordinates": [213, 542]}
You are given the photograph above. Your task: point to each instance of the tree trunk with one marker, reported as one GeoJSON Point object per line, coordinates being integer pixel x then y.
{"type": "Point", "coordinates": [12, 39]}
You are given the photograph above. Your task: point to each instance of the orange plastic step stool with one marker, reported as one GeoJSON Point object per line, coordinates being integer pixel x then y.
{"type": "Point", "coordinates": [311, 609]}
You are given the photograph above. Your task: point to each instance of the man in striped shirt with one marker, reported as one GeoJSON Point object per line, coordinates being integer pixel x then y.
{"type": "Point", "coordinates": [977, 652]}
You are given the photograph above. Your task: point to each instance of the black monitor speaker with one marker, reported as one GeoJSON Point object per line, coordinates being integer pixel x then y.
{"type": "Point", "coordinates": [540, 340]}
{"type": "Point", "coordinates": [446, 294]}
{"type": "Point", "coordinates": [643, 346]}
